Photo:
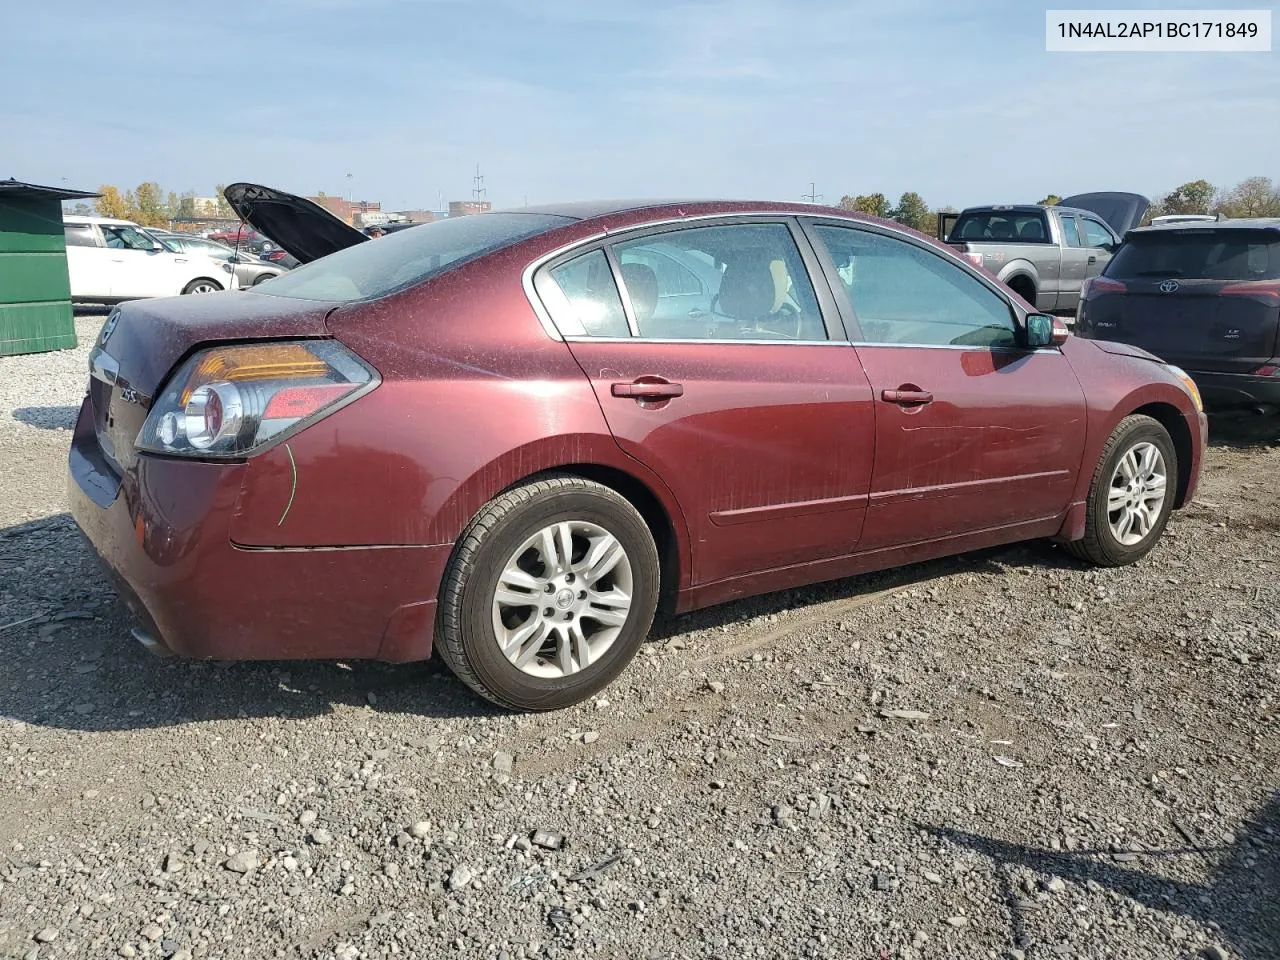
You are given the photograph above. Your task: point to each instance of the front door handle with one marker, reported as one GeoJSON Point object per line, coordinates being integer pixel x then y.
{"type": "Point", "coordinates": [697, 313]}
{"type": "Point", "coordinates": [648, 390]}
{"type": "Point", "coordinates": [1093, 259]}
{"type": "Point", "coordinates": [906, 397]}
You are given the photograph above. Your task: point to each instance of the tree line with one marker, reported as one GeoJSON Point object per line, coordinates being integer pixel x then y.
{"type": "Point", "coordinates": [1252, 197]}
{"type": "Point", "coordinates": [149, 205]}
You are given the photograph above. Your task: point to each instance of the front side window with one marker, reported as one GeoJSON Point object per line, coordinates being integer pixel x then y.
{"type": "Point", "coordinates": [1096, 234]}
{"type": "Point", "coordinates": [126, 238]}
{"type": "Point", "coordinates": [737, 282]}
{"type": "Point", "coordinates": [905, 295]}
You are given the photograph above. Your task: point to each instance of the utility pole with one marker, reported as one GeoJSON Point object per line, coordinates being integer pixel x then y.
{"type": "Point", "coordinates": [478, 190]}
{"type": "Point", "coordinates": [813, 196]}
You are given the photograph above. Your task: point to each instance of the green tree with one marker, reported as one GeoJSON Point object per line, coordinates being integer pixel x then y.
{"type": "Point", "coordinates": [1254, 197]}
{"type": "Point", "coordinates": [1052, 200]}
{"type": "Point", "coordinates": [914, 212]}
{"type": "Point", "coordinates": [873, 204]}
{"type": "Point", "coordinates": [148, 203]}
{"type": "Point", "coordinates": [111, 204]}
{"type": "Point", "coordinates": [224, 209]}
{"type": "Point", "coordinates": [81, 209]}
{"type": "Point", "coordinates": [1195, 196]}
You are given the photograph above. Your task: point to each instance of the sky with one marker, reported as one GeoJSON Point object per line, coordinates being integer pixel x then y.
{"type": "Point", "coordinates": [581, 99]}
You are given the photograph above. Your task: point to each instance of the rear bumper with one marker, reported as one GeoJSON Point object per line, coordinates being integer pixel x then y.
{"type": "Point", "coordinates": [1229, 391]}
{"type": "Point", "coordinates": [163, 533]}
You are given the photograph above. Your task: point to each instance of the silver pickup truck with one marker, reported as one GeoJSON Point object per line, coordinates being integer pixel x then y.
{"type": "Point", "coordinates": [1045, 253]}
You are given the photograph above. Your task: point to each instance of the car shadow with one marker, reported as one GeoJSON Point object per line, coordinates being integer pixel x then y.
{"type": "Point", "coordinates": [47, 418]}
{"type": "Point", "coordinates": [1244, 432]}
{"type": "Point", "coordinates": [70, 662]}
{"type": "Point", "coordinates": [1239, 898]}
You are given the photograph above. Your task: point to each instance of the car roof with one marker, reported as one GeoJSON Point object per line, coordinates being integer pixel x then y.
{"type": "Point", "coordinates": [1182, 226]}
{"type": "Point", "coordinates": [654, 208]}
{"type": "Point", "coordinates": [71, 218]}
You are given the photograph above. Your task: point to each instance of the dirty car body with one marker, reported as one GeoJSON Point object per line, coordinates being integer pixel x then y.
{"type": "Point", "coordinates": [675, 403]}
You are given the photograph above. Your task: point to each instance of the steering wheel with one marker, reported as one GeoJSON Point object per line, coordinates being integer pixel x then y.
{"type": "Point", "coordinates": [786, 314]}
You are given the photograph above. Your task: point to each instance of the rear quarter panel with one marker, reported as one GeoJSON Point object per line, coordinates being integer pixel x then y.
{"type": "Point", "coordinates": [475, 397]}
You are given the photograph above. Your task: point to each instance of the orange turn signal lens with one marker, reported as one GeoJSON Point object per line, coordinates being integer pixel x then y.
{"type": "Point", "coordinates": [270, 361]}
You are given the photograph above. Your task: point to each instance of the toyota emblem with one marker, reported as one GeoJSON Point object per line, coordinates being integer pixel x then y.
{"type": "Point", "coordinates": [1169, 286]}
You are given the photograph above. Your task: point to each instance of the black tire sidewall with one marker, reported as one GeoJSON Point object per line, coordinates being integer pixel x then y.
{"type": "Point", "coordinates": [475, 621]}
{"type": "Point", "coordinates": [1143, 431]}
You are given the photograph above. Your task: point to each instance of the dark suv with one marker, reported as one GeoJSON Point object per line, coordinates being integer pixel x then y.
{"type": "Point", "coordinates": [1204, 296]}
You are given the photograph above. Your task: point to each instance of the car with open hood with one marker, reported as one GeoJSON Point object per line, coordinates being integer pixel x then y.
{"type": "Point", "coordinates": [1045, 253]}
{"type": "Point", "coordinates": [511, 438]}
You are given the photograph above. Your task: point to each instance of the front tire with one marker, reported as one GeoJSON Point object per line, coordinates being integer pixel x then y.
{"type": "Point", "coordinates": [203, 285]}
{"type": "Point", "coordinates": [1131, 495]}
{"type": "Point", "coordinates": [549, 594]}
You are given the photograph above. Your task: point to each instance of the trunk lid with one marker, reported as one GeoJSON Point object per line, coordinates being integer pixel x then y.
{"type": "Point", "coordinates": [1121, 211]}
{"type": "Point", "coordinates": [1194, 325]}
{"type": "Point", "coordinates": [143, 340]}
{"type": "Point", "coordinates": [303, 229]}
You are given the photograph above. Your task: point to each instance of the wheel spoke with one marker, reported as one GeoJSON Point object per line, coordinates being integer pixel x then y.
{"type": "Point", "coordinates": [564, 653]}
{"type": "Point", "coordinates": [532, 645]}
{"type": "Point", "coordinates": [533, 630]}
{"type": "Point", "coordinates": [609, 609]}
{"type": "Point", "coordinates": [581, 648]}
{"type": "Point", "coordinates": [1128, 465]}
{"type": "Point", "coordinates": [604, 555]}
{"type": "Point", "coordinates": [1125, 524]}
{"type": "Point", "coordinates": [1141, 520]}
{"type": "Point", "coordinates": [1118, 498]}
{"type": "Point", "coordinates": [1149, 457]}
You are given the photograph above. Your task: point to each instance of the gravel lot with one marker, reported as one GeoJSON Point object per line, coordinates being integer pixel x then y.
{"type": "Point", "coordinates": [1002, 755]}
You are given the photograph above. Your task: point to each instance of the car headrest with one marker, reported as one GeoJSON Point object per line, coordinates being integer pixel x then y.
{"type": "Point", "coordinates": [642, 287]}
{"type": "Point", "coordinates": [748, 290]}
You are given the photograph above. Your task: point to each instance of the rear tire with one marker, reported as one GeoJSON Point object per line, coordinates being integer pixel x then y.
{"type": "Point", "coordinates": [548, 542]}
{"type": "Point", "coordinates": [1123, 519]}
{"type": "Point", "coordinates": [202, 285]}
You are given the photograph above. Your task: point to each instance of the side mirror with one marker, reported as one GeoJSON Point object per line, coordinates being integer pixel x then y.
{"type": "Point", "coordinates": [1044, 330]}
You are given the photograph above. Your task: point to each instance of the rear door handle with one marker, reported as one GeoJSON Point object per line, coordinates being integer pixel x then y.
{"type": "Point", "coordinates": [906, 398]}
{"type": "Point", "coordinates": [648, 390]}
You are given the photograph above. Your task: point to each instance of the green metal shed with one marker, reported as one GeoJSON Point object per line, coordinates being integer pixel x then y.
{"type": "Point", "coordinates": [35, 294]}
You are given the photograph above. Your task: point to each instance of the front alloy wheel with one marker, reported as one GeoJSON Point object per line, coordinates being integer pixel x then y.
{"type": "Point", "coordinates": [1138, 488]}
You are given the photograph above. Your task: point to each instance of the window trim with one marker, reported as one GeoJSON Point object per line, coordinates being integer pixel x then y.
{"type": "Point", "coordinates": [828, 308]}
{"type": "Point", "coordinates": [850, 317]}
{"type": "Point", "coordinates": [1085, 218]}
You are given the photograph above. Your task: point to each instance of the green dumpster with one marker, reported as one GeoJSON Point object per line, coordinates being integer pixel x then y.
{"type": "Point", "coordinates": [35, 295]}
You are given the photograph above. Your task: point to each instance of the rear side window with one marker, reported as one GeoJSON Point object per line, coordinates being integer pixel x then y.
{"type": "Point", "coordinates": [1198, 255]}
{"type": "Point", "coordinates": [1001, 225]}
{"type": "Point", "coordinates": [583, 300]}
{"type": "Point", "coordinates": [79, 235]}
{"type": "Point", "coordinates": [1071, 231]}
{"type": "Point", "coordinates": [380, 267]}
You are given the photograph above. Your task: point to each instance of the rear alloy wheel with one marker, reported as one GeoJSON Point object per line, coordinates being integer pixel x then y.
{"type": "Point", "coordinates": [202, 286]}
{"type": "Point", "coordinates": [1131, 495]}
{"type": "Point", "coordinates": [550, 592]}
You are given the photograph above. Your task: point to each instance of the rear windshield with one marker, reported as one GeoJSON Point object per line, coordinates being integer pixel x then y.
{"type": "Point", "coordinates": [1001, 225]}
{"type": "Point", "coordinates": [1198, 255]}
{"type": "Point", "coordinates": [384, 265]}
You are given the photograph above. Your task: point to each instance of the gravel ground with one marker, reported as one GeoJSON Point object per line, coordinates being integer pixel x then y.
{"type": "Point", "coordinates": [1001, 755]}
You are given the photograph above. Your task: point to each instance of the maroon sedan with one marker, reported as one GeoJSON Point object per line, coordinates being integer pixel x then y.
{"type": "Point", "coordinates": [510, 437]}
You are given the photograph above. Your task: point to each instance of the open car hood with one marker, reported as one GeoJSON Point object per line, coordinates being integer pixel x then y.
{"type": "Point", "coordinates": [304, 230]}
{"type": "Point", "coordinates": [1122, 211]}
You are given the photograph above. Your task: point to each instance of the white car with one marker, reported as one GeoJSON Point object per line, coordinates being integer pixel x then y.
{"type": "Point", "coordinates": [114, 260]}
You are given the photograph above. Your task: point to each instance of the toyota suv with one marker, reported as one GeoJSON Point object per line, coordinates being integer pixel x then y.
{"type": "Point", "coordinates": [1204, 296]}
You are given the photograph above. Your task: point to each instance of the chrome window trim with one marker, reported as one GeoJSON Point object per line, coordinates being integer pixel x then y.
{"type": "Point", "coordinates": [722, 342]}
{"type": "Point", "coordinates": [994, 348]}
{"type": "Point", "coordinates": [782, 216]}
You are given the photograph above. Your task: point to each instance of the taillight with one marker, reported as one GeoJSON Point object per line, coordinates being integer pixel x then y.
{"type": "Point", "coordinates": [973, 256]}
{"type": "Point", "coordinates": [1271, 369]}
{"type": "Point", "coordinates": [231, 401]}
{"type": "Point", "coordinates": [1095, 285]}
{"type": "Point", "coordinates": [1263, 289]}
